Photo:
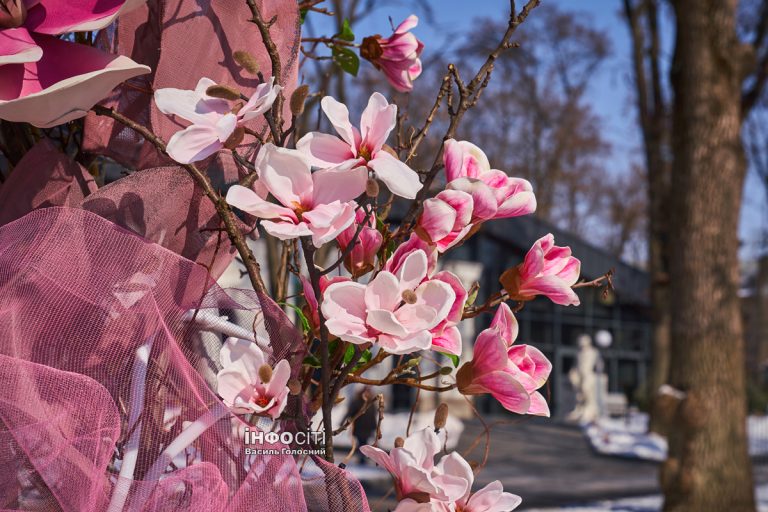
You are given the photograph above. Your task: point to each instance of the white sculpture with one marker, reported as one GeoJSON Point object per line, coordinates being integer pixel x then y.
{"type": "Point", "coordinates": [584, 379]}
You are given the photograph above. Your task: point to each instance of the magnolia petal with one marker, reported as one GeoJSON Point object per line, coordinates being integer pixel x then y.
{"type": "Point", "coordinates": [378, 456]}
{"type": "Point", "coordinates": [193, 143]}
{"type": "Point", "coordinates": [378, 120]}
{"type": "Point", "coordinates": [397, 176]}
{"type": "Point", "coordinates": [407, 24]}
{"type": "Point", "coordinates": [324, 150]}
{"type": "Point", "coordinates": [507, 390]}
{"type": "Point", "coordinates": [18, 47]}
{"type": "Point", "coordinates": [286, 230]}
{"type": "Point", "coordinates": [437, 218]}
{"type": "Point", "coordinates": [60, 16]}
{"type": "Point", "coordinates": [490, 352]}
{"type": "Point", "coordinates": [193, 106]}
{"type": "Point", "coordinates": [554, 288]}
{"type": "Point", "coordinates": [63, 85]}
{"type": "Point", "coordinates": [383, 292]}
{"type": "Point", "coordinates": [232, 383]}
{"type": "Point", "coordinates": [325, 228]}
{"type": "Point", "coordinates": [286, 173]}
{"type": "Point", "coordinates": [504, 320]}
{"type": "Point", "coordinates": [249, 201]}
{"type": "Point", "coordinates": [538, 406]}
{"type": "Point", "coordinates": [492, 498]}
{"type": "Point", "coordinates": [439, 296]}
{"type": "Point", "coordinates": [244, 354]}
{"type": "Point", "coordinates": [338, 115]}
{"type": "Point", "coordinates": [413, 270]}
{"type": "Point", "coordinates": [421, 340]}
{"type": "Point", "coordinates": [281, 374]}
{"type": "Point", "coordinates": [448, 342]}
{"type": "Point", "coordinates": [338, 184]}
{"type": "Point", "coordinates": [386, 322]}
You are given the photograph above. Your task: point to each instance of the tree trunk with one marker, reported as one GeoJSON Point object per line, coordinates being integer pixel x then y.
{"type": "Point", "coordinates": [708, 467]}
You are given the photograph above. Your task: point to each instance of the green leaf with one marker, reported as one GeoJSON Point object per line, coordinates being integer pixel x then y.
{"type": "Point", "coordinates": [346, 59]}
{"type": "Point", "coordinates": [364, 358]}
{"type": "Point", "coordinates": [303, 15]}
{"type": "Point", "coordinates": [349, 354]}
{"type": "Point", "coordinates": [302, 318]}
{"type": "Point", "coordinates": [346, 33]}
{"type": "Point", "coordinates": [454, 359]}
{"type": "Point", "coordinates": [312, 360]}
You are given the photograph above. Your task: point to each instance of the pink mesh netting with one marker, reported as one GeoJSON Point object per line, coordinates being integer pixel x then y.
{"type": "Point", "coordinates": [43, 177]}
{"type": "Point", "coordinates": [101, 407]}
{"type": "Point", "coordinates": [182, 41]}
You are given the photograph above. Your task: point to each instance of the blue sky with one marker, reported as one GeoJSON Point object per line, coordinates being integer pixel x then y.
{"type": "Point", "coordinates": [610, 94]}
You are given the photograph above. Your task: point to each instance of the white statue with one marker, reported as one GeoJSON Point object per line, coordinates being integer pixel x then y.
{"type": "Point", "coordinates": [584, 379]}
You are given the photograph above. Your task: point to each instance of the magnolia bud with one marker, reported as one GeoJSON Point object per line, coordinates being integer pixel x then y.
{"type": "Point", "coordinates": [399, 442]}
{"type": "Point", "coordinates": [298, 98]}
{"type": "Point", "coordinates": [409, 297]}
{"type": "Point", "coordinates": [235, 139]}
{"type": "Point", "coordinates": [372, 188]}
{"type": "Point", "coordinates": [265, 373]}
{"type": "Point", "coordinates": [446, 370]}
{"type": "Point", "coordinates": [246, 61]}
{"type": "Point", "coordinates": [441, 416]}
{"type": "Point", "coordinates": [223, 91]}
{"type": "Point", "coordinates": [294, 387]}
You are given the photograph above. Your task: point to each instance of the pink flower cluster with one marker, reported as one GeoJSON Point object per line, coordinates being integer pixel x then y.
{"type": "Point", "coordinates": [47, 80]}
{"type": "Point", "coordinates": [407, 307]}
{"type": "Point", "coordinates": [423, 486]}
{"type": "Point", "coordinates": [475, 193]}
{"type": "Point", "coordinates": [547, 270]}
{"type": "Point", "coordinates": [397, 56]}
{"type": "Point", "coordinates": [511, 373]}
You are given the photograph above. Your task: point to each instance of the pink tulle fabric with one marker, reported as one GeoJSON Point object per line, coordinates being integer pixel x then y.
{"type": "Point", "coordinates": [80, 300]}
{"type": "Point", "coordinates": [182, 41]}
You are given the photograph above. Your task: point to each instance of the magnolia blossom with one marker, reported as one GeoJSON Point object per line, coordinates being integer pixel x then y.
{"type": "Point", "coordinates": [413, 469]}
{"type": "Point", "coordinates": [547, 270]}
{"type": "Point", "coordinates": [414, 243]}
{"type": "Point", "coordinates": [361, 147]}
{"type": "Point", "coordinates": [496, 195]}
{"type": "Point", "coordinates": [359, 261]}
{"type": "Point", "coordinates": [397, 56]}
{"type": "Point", "coordinates": [422, 486]}
{"type": "Point", "coordinates": [446, 218]}
{"type": "Point", "coordinates": [510, 373]}
{"type": "Point", "coordinates": [311, 204]}
{"type": "Point", "coordinates": [399, 311]}
{"type": "Point", "coordinates": [213, 119]}
{"type": "Point", "coordinates": [247, 384]}
{"type": "Point", "coordinates": [46, 80]}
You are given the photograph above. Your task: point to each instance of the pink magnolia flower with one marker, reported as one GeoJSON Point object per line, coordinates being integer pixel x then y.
{"type": "Point", "coordinates": [361, 147]}
{"type": "Point", "coordinates": [510, 373]}
{"type": "Point", "coordinates": [496, 195]}
{"type": "Point", "coordinates": [399, 311]}
{"type": "Point", "coordinates": [247, 384]}
{"type": "Point", "coordinates": [413, 469]}
{"type": "Point", "coordinates": [397, 56]}
{"type": "Point", "coordinates": [445, 336]}
{"type": "Point", "coordinates": [361, 258]}
{"type": "Point", "coordinates": [446, 218]}
{"type": "Point", "coordinates": [414, 243]}
{"type": "Point", "coordinates": [45, 80]}
{"type": "Point", "coordinates": [213, 119]}
{"type": "Point", "coordinates": [547, 270]}
{"type": "Point", "coordinates": [311, 204]}
{"type": "Point", "coordinates": [490, 498]}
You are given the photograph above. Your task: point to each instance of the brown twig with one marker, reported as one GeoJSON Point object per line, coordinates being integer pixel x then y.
{"type": "Point", "coordinates": [219, 203]}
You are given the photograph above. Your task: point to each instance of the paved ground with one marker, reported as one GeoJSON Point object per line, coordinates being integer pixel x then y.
{"type": "Point", "coordinates": [551, 464]}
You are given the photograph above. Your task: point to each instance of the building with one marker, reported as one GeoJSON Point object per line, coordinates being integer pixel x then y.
{"type": "Point", "coordinates": [553, 329]}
